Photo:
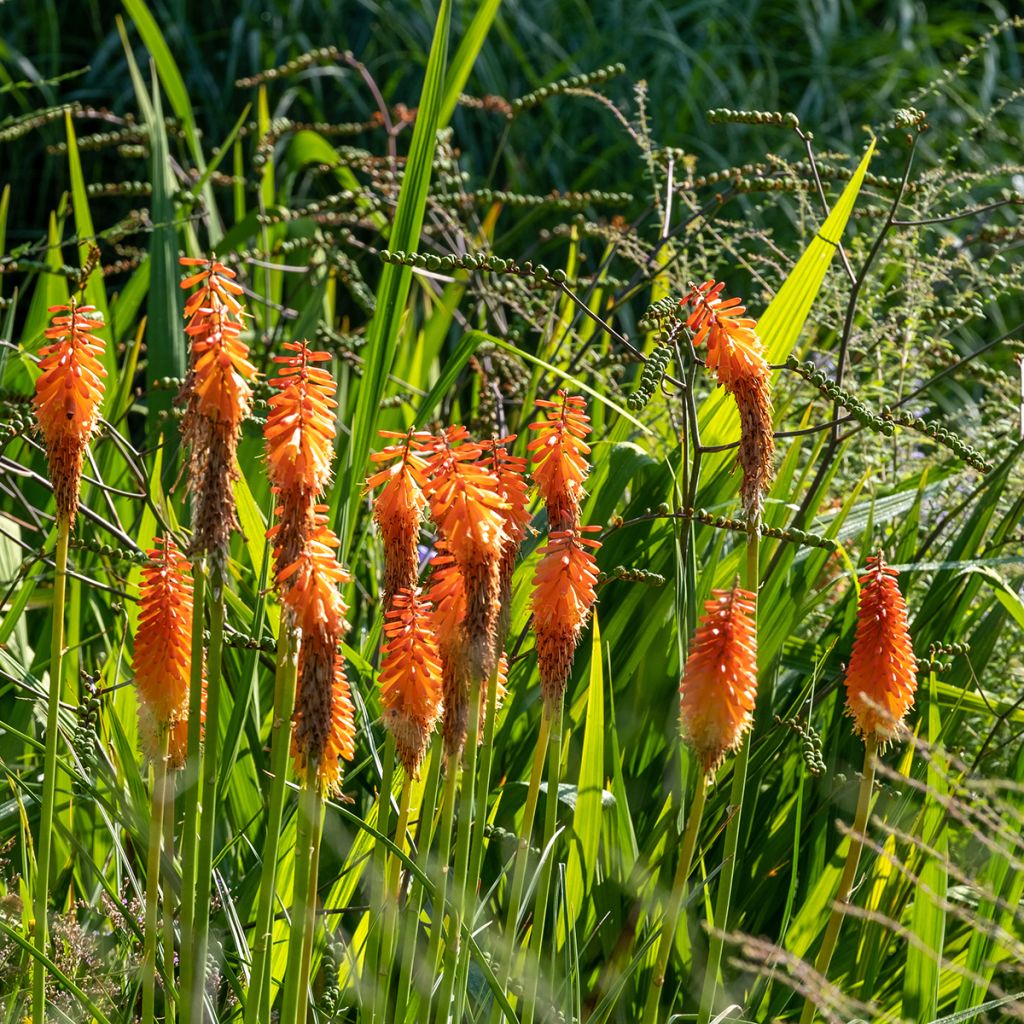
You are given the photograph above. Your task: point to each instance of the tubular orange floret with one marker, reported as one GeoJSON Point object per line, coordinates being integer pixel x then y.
{"type": "Point", "coordinates": [216, 285]}
{"type": "Point", "coordinates": [719, 684]}
{"type": "Point", "coordinates": [163, 649]}
{"type": "Point", "coordinates": [560, 458]}
{"type": "Point", "coordinates": [309, 585]}
{"type": "Point", "coordinates": [410, 676]}
{"type": "Point", "coordinates": [399, 507]}
{"type": "Point", "coordinates": [67, 397]}
{"type": "Point", "coordinates": [882, 675]}
{"type": "Point", "coordinates": [563, 595]}
{"type": "Point", "coordinates": [736, 354]}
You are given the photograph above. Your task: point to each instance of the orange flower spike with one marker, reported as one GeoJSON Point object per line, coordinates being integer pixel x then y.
{"type": "Point", "coordinates": [163, 644]}
{"type": "Point", "coordinates": [882, 674]}
{"type": "Point", "coordinates": [398, 509]}
{"type": "Point", "coordinates": [410, 676]}
{"type": "Point", "coordinates": [734, 348]}
{"type": "Point", "coordinates": [220, 369]}
{"type": "Point", "coordinates": [559, 454]}
{"type": "Point", "coordinates": [563, 595]}
{"type": "Point", "coordinates": [309, 585]}
{"type": "Point", "coordinates": [68, 393]}
{"type": "Point", "coordinates": [300, 427]}
{"type": "Point", "coordinates": [217, 285]}
{"type": "Point", "coordinates": [719, 684]}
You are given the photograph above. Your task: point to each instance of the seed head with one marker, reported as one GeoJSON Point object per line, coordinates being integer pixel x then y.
{"type": "Point", "coordinates": [719, 685]}
{"type": "Point", "coordinates": [67, 399]}
{"type": "Point", "coordinates": [882, 675]}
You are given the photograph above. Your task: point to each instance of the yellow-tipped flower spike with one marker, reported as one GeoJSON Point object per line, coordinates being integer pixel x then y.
{"type": "Point", "coordinates": [719, 684]}
{"type": "Point", "coordinates": [67, 399]}
{"type": "Point", "coordinates": [882, 675]}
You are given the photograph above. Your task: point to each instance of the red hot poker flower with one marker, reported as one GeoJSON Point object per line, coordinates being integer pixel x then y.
{"type": "Point", "coordinates": [410, 676]}
{"type": "Point", "coordinates": [563, 595]}
{"type": "Point", "coordinates": [69, 390]}
{"type": "Point", "coordinates": [719, 685]}
{"type": "Point", "coordinates": [882, 674]}
{"type": "Point", "coordinates": [559, 455]}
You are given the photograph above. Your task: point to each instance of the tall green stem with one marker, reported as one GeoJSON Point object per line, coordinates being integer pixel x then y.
{"type": "Point", "coordinates": [835, 921]}
{"type": "Point", "coordinates": [392, 884]}
{"type": "Point", "coordinates": [190, 790]}
{"type": "Point", "coordinates": [293, 1009]}
{"type": "Point", "coordinates": [732, 831]}
{"type": "Point", "coordinates": [374, 971]}
{"type": "Point", "coordinates": [675, 900]}
{"type": "Point", "coordinates": [156, 826]}
{"type": "Point", "coordinates": [45, 845]}
{"type": "Point", "coordinates": [460, 908]}
{"type": "Point", "coordinates": [451, 788]}
{"type": "Point", "coordinates": [170, 996]}
{"type": "Point", "coordinates": [257, 1008]}
{"type": "Point", "coordinates": [209, 811]}
{"type": "Point", "coordinates": [540, 903]}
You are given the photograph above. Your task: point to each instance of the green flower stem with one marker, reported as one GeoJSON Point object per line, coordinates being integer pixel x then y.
{"type": "Point", "coordinates": [409, 940]}
{"type": "Point", "coordinates": [374, 969]}
{"type": "Point", "coordinates": [209, 812]}
{"type": "Point", "coordinates": [835, 921]}
{"type": "Point", "coordinates": [451, 788]}
{"type": "Point", "coordinates": [293, 1008]}
{"type": "Point", "coordinates": [156, 825]}
{"type": "Point", "coordinates": [670, 923]}
{"type": "Point", "coordinates": [45, 844]}
{"type": "Point", "coordinates": [193, 772]}
{"type": "Point", "coordinates": [732, 831]}
{"type": "Point", "coordinates": [257, 1007]}
{"type": "Point", "coordinates": [540, 903]}
{"type": "Point", "coordinates": [392, 893]}
{"type": "Point", "coordinates": [170, 994]}
{"type": "Point", "coordinates": [460, 908]}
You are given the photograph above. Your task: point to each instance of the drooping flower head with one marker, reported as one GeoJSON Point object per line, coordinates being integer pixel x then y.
{"type": "Point", "coordinates": [67, 398]}
{"type": "Point", "coordinates": [410, 676]}
{"type": "Point", "coordinates": [882, 675]}
{"type": "Point", "coordinates": [719, 685]}
{"type": "Point", "coordinates": [217, 399]}
{"type": "Point", "coordinates": [559, 454]}
{"type": "Point", "coordinates": [163, 650]}
{"type": "Point", "coordinates": [736, 354]}
{"type": "Point", "coordinates": [563, 595]}
{"type": "Point", "coordinates": [398, 508]}
{"type": "Point", "coordinates": [299, 435]}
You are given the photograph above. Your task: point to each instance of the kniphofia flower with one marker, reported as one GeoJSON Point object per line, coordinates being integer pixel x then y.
{"type": "Point", "coordinates": [410, 676]}
{"type": "Point", "coordinates": [67, 397]}
{"type": "Point", "coordinates": [563, 595]}
{"type": "Point", "coordinates": [559, 454]}
{"type": "Point", "coordinates": [398, 508]}
{"type": "Point", "coordinates": [163, 650]}
{"type": "Point", "coordinates": [882, 675]}
{"type": "Point", "coordinates": [736, 355]}
{"type": "Point", "coordinates": [719, 685]}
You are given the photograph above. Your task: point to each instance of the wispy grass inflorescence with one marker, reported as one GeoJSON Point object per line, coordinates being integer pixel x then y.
{"type": "Point", "coordinates": [217, 398]}
{"type": "Point", "coordinates": [882, 674]}
{"type": "Point", "coordinates": [163, 651]}
{"type": "Point", "coordinates": [68, 393]}
{"type": "Point", "coordinates": [719, 684]}
{"type": "Point", "coordinates": [736, 354]}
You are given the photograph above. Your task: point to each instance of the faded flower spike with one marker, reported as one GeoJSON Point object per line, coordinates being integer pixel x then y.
{"type": "Point", "coordinates": [563, 595]}
{"type": "Point", "coordinates": [719, 684]}
{"type": "Point", "coordinates": [882, 675]}
{"type": "Point", "coordinates": [163, 651]}
{"type": "Point", "coordinates": [559, 455]}
{"type": "Point", "coordinates": [736, 355]}
{"type": "Point", "coordinates": [410, 676]}
{"type": "Point", "coordinates": [69, 390]}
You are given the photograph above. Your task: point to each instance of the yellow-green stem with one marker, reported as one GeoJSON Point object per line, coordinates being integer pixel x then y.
{"type": "Point", "coordinates": [170, 995]}
{"type": "Point", "coordinates": [373, 967]}
{"type": "Point", "coordinates": [309, 919]}
{"type": "Point", "coordinates": [460, 906]}
{"type": "Point", "coordinates": [540, 902]}
{"type": "Point", "coordinates": [451, 788]}
{"type": "Point", "coordinates": [190, 789]}
{"type": "Point", "coordinates": [835, 921]}
{"type": "Point", "coordinates": [156, 823]}
{"type": "Point", "coordinates": [257, 1008]}
{"type": "Point", "coordinates": [293, 1007]}
{"type": "Point", "coordinates": [675, 900]}
{"type": "Point", "coordinates": [732, 831]}
{"type": "Point", "coordinates": [60, 569]}
{"type": "Point", "coordinates": [392, 885]}
{"type": "Point", "coordinates": [209, 812]}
